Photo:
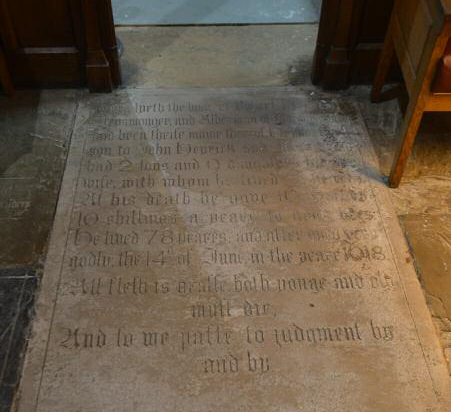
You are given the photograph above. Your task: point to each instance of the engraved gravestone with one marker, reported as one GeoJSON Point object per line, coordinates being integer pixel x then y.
{"type": "Point", "coordinates": [228, 251]}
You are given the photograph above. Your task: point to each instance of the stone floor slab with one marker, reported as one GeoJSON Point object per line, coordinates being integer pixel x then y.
{"type": "Point", "coordinates": [217, 56]}
{"type": "Point", "coordinates": [35, 131]}
{"type": "Point", "coordinates": [149, 12]}
{"type": "Point", "coordinates": [17, 290]}
{"type": "Point", "coordinates": [228, 250]}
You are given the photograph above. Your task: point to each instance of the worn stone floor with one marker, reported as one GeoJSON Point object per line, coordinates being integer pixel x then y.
{"type": "Point", "coordinates": [157, 12]}
{"type": "Point", "coordinates": [35, 131]}
{"type": "Point", "coordinates": [221, 56]}
{"type": "Point", "coordinates": [423, 200]}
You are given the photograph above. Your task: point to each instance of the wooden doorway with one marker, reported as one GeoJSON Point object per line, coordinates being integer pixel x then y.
{"type": "Point", "coordinates": [66, 43]}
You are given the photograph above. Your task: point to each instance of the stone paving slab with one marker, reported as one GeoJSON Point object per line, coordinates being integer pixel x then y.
{"type": "Point", "coordinates": [17, 287]}
{"type": "Point", "coordinates": [35, 129]}
{"type": "Point", "coordinates": [151, 12]}
{"type": "Point", "coordinates": [231, 56]}
{"type": "Point", "coordinates": [228, 250]}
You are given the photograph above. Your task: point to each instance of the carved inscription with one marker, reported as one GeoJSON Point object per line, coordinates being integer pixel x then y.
{"type": "Point", "coordinates": [229, 238]}
{"type": "Point", "coordinates": [171, 193]}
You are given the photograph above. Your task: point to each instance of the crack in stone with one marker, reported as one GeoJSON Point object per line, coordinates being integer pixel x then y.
{"type": "Point", "coordinates": [57, 142]}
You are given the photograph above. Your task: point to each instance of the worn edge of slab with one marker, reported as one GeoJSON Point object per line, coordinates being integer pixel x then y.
{"type": "Point", "coordinates": [32, 373]}
{"type": "Point", "coordinates": [28, 393]}
{"type": "Point", "coordinates": [411, 288]}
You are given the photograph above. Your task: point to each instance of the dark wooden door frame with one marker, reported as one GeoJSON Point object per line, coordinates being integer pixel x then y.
{"type": "Point", "coordinates": [102, 63]}
{"type": "Point", "coordinates": [350, 38]}
{"type": "Point", "coordinates": [92, 60]}
{"type": "Point", "coordinates": [5, 78]}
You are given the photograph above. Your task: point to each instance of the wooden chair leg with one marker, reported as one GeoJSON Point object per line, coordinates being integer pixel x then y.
{"type": "Point", "coordinates": [408, 134]}
{"type": "Point", "coordinates": [383, 67]}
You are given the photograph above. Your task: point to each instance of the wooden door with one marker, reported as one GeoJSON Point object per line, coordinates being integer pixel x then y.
{"type": "Point", "coordinates": [63, 43]}
{"type": "Point", "coordinates": [350, 38]}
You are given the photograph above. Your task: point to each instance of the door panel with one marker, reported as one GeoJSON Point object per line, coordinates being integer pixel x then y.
{"type": "Point", "coordinates": [350, 38]}
{"type": "Point", "coordinates": [46, 43]}
{"type": "Point", "coordinates": [52, 25]}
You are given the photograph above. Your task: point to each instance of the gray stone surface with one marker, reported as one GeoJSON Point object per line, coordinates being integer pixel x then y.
{"type": "Point", "coordinates": [35, 129]}
{"type": "Point", "coordinates": [146, 12]}
{"type": "Point", "coordinates": [218, 56]}
{"type": "Point", "coordinates": [422, 202]}
{"type": "Point", "coordinates": [17, 293]}
{"type": "Point", "coordinates": [162, 281]}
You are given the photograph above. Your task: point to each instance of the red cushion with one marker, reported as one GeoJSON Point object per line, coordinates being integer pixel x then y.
{"type": "Point", "coordinates": [442, 80]}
